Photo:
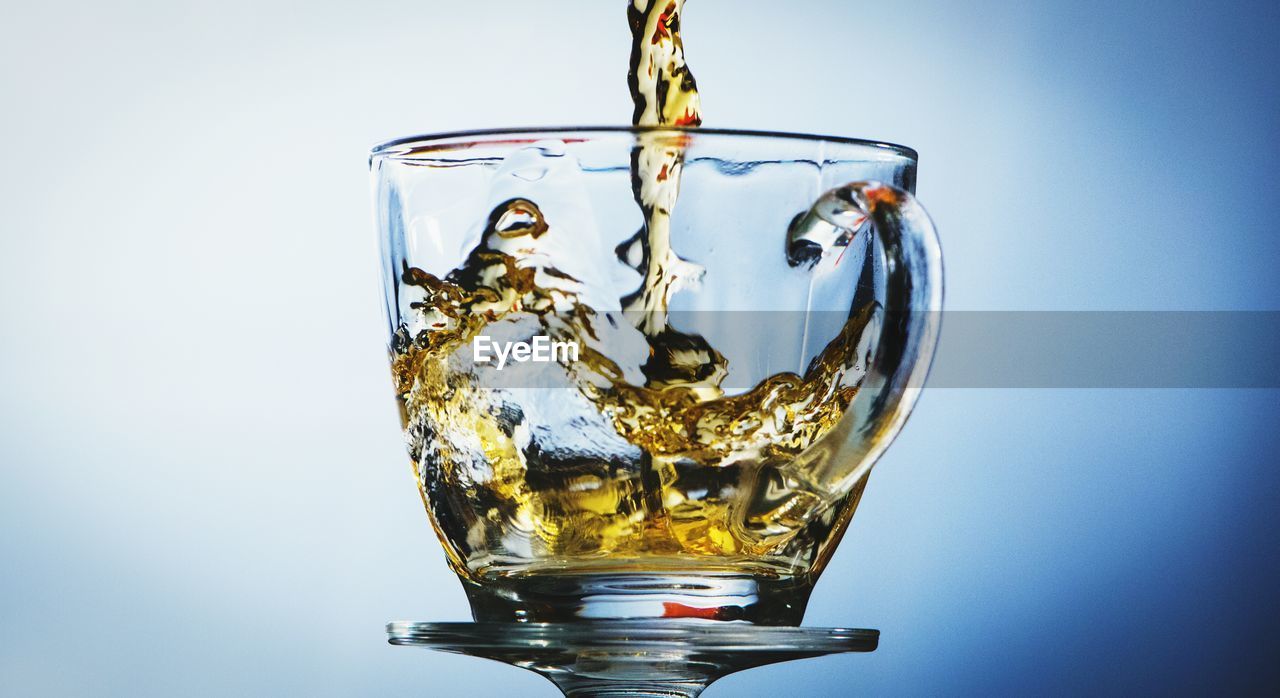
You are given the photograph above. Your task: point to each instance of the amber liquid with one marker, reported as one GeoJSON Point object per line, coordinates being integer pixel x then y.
{"type": "Point", "coordinates": [689, 478]}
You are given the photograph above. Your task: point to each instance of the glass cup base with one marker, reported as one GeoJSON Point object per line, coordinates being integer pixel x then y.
{"type": "Point", "coordinates": [671, 658]}
{"type": "Point", "coordinates": [565, 597]}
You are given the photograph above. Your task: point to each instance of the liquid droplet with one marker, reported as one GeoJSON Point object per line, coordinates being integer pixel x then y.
{"type": "Point", "coordinates": [833, 221]}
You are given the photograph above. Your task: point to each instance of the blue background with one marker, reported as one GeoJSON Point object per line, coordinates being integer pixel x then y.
{"type": "Point", "coordinates": [202, 484]}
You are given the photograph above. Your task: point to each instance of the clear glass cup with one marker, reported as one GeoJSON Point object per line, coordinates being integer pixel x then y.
{"type": "Point", "coordinates": [698, 456]}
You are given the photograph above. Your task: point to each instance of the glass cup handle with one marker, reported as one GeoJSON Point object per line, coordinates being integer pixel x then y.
{"type": "Point", "coordinates": [909, 324]}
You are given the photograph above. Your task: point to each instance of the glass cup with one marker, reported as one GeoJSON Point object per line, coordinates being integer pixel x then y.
{"type": "Point", "coordinates": [617, 413]}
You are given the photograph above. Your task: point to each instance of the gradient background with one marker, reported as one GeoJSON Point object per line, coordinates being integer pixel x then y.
{"type": "Point", "coordinates": [203, 489]}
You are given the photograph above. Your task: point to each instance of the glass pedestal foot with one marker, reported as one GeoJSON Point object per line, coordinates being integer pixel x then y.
{"type": "Point", "coordinates": [632, 658]}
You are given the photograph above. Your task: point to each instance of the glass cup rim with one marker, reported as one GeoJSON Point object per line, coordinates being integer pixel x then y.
{"type": "Point", "coordinates": [454, 140]}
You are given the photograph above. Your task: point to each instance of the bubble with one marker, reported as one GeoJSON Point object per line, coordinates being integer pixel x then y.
{"type": "Point", "coordinates": [530, 174]}
{"type": "Point", "coordinates": [533, 163]}
{"type": "Point", "coordinates": [518, 217]}
{"type": "Point", "coordinates": [833, 221]}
